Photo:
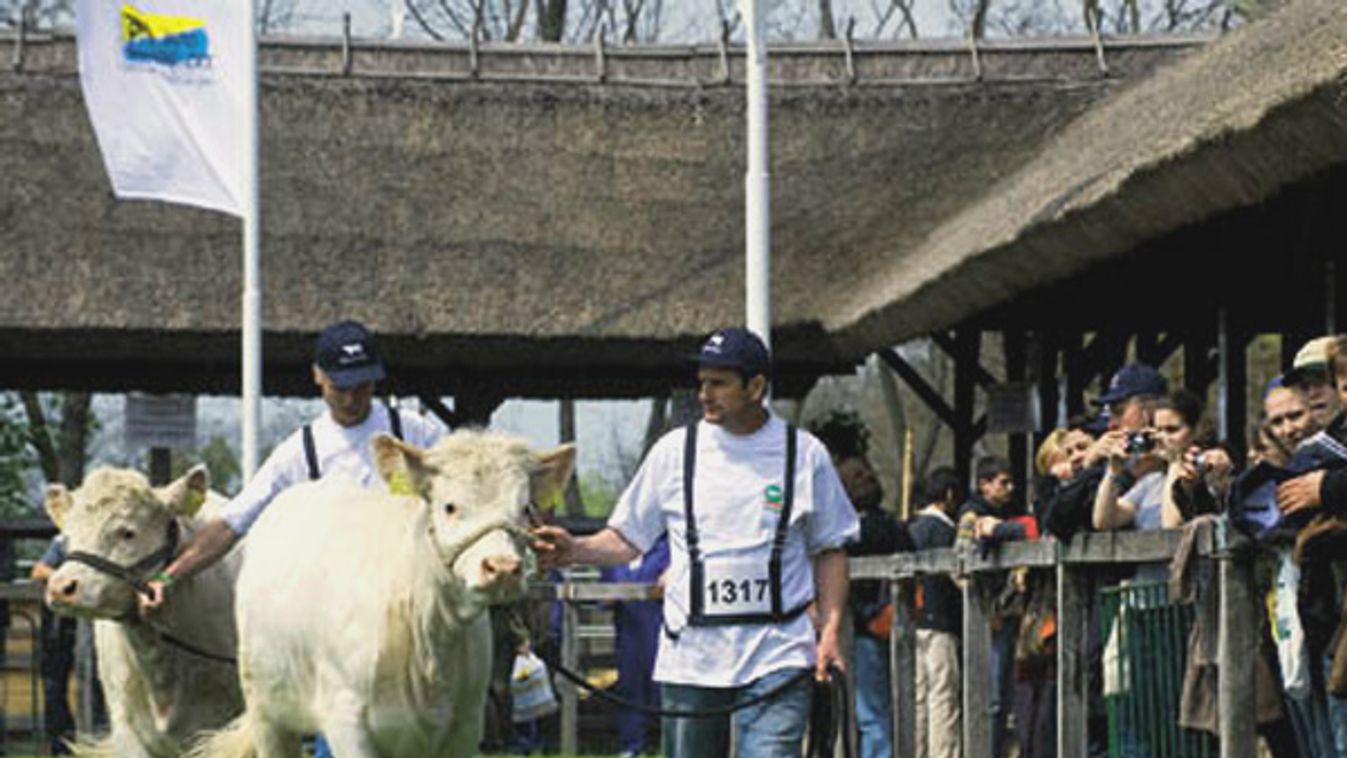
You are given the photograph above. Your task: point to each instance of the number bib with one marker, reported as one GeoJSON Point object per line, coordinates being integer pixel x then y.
{"type": "Point", "coordinates": [736, 587]}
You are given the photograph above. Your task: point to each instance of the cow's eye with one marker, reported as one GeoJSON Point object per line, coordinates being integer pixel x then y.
{"type": "Point", "coordinates": [450, 509]}
{"type": "Point", "coordinates": [126, 533]}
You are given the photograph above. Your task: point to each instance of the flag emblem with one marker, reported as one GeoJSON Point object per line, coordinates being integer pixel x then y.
{"type": "Point", "coordinates": [161, 38]}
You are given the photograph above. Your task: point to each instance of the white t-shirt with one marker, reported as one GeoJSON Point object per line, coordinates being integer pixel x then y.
{"type": "Point", "coordinates": [341, 450]}
{"type": "Point", "coordinates": [734, 516]}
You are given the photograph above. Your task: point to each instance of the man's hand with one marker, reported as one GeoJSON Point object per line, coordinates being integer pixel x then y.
{"type": "Point", "coordinates": [1112, 447]}
{"type": "Point", "coordinates": [554, 545]}
{"type": "Point", "coordinates": [151, 603]}
{"type": "Point", "coordinates": [829, 653]}
{"type": "Point", "coordinates": [1300, 493]}
{"type": "Point", "coordinates": [985, 526]}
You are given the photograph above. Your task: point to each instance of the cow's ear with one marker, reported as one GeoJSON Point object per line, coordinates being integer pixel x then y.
{"type": "Point", "coordinates": [185, 495]}
{"type": "Point", "coordinates": [399, 463]}
{"type": "Point", "coordinates": [548, 483]}
{"type": "Point", "coordinates": [58, 502]}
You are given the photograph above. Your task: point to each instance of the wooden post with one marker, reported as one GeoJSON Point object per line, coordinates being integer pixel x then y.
{"type": "Point", "coordinates": [1073, 697]}
{"type": "Point", "coordinates": [570, 658]}
{"type": "Point", "coordinates": [161, 466]}
{"type": "Point", "coordinates": [1016, 351]}
{"type": "Point", "coordinates": [1237, 648]}
{"type": "Point", "coordinates": [86, 677]}
{"type": "Point", "coordinates": [977, 680]}
{"type": "Point", "coordinates": [903, 668]}
{"type": "Point", "coordinates": [967, 344]}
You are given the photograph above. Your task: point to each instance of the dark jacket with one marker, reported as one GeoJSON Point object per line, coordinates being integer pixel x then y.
{"type": "Point", "coordinates": [1005, 532]}
{"type": "Point", "coordinates": [941, 601]}
{"type": "Point", "coordinates": [881, 534]}
{"type": "Point", "coordinates": [1333, 490]}
{"type": "Point", "coordinates": [1070, 507]}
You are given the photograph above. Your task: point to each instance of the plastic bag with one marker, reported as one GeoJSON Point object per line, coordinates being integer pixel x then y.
{"type": "Point", "coordinates": [1286, 629]}
{"type": "Point", "coordinates": [531, 689]}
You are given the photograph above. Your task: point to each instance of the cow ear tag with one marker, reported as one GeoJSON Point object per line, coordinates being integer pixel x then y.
{"type": "Point", "coordinates": [400, 483]}
{"type": "Point", "coordinates": [192, 502]}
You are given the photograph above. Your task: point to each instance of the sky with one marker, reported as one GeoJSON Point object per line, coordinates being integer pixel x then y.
{"type": "Point", "coordinates": [608, 433]}
{"type": "Point", "coordinates": [687, 21]}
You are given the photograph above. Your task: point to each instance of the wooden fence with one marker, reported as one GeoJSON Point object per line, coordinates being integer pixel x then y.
{"type": "Point", "coordinates": [1076, 563]}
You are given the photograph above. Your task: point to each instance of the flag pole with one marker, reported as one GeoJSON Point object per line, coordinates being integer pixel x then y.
{"type": "Point", "coordinates": [758, 255]}
{"type": "Point", "coordinates": [252, 236]}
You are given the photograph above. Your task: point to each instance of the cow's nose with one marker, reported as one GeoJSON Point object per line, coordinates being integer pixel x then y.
{"type": "Point", "coordinates": [64, 590]}
{"type": "Point", "coordinates": [501, 566]}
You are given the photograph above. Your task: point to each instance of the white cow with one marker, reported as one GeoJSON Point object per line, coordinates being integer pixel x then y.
{"type": "Point", "coordinates": [361, 614]}
{"type": "Point", "coordinates": [159, 697]}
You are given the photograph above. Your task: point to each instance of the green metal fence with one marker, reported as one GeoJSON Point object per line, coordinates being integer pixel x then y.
{"type": "Point", "coordinates": [1144, 653]}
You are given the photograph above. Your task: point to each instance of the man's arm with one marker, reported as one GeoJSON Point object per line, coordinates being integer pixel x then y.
{"type": "Point", "coordinates": [557, 547]}
{"type": "Point", "coordinates": [1111, 511]}
{"type": "Point", "coordinates": [831, 575]}
{"type": "Point", "coordinates": [204, 548]}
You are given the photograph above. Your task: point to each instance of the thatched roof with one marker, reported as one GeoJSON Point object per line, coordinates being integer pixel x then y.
{"type": "Point", "coordinates": [1252, 115]}
{"type": "Point", "coordinates": [535, 236]}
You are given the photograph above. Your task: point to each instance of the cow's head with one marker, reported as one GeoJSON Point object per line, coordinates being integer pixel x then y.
{"type": "Point", "coordinates": [476, 487]}
{"type": "Point", "coordinates": [115, 515]}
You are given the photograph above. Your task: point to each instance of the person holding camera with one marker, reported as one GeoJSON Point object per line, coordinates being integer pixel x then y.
{"type": "Point", "coordinates": [1199, 474]}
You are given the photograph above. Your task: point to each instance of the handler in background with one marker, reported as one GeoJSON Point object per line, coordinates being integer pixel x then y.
{"type": "Point", "coordinates": [757, 522]}
{"type": "Point", "coordinates": [346, 366]}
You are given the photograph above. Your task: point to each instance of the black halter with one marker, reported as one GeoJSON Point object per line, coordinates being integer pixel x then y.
{"type": "Point", "coordinates": [133, 574]}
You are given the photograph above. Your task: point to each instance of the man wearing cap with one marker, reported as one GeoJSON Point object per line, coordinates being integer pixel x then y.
{"type": "Point", "coordinates": [346, 366]}
{"type": "Point", "coordinates": [1126, 404]}
{"type": "Point", "coordinates": [1310, 373]}
{"type": "Point", "coordinates": [757, 521]}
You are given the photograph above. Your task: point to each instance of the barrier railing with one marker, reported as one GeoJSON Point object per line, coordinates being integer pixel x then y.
{"type": "Point", "coordinates": [1075, 563]}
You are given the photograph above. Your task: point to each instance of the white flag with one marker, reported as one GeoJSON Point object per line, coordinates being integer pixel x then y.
{"type": "Point", "coordinates": [166, 85]}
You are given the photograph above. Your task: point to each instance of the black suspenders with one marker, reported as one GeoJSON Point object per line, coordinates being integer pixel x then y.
{"type": "Point", "coordinates": [311, 449]}
{"type": "Point", "coordinates": [697, 572]}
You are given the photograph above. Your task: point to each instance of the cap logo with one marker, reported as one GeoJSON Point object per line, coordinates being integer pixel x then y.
{"type": "Point", "coordinates": [352, 352]}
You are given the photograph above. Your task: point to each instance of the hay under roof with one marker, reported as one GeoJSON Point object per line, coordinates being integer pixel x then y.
{"type": "Point", "coordinates": [538, 237]}
{"type": "Point", "coordinates": [1251, 115]}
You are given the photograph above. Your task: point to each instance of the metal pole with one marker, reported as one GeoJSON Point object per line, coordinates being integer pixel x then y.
{"type": "Point", "coordinates": [757, 182]}
{"type": "Point", "coordinates": [252, 287]}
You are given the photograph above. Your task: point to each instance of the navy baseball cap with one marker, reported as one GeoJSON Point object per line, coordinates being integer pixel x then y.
{"type": "Point", "coordinates": [735, 347]}
{"type": "Point", "coordinates": [1132, 380]}
{"type": "Point", "coordinates": [346, 353]}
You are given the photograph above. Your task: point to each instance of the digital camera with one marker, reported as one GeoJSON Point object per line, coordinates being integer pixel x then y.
{"type": "Point", "coordinates": [1139, 442]}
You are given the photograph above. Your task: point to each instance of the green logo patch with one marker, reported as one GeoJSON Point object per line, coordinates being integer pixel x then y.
{"type": "Point", "coordinates": [772, 496]}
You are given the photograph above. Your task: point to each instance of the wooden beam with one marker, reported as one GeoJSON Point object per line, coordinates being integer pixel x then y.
{"type": "Point", "coordinates": [950, 345]}
{"type": "Point", "coordinates": [918, 384]}
{"type": "Point", "coordinates": [1016, 348]}
{"type": "Point", "coordinates": [967, 347]}
{"type": "Point", "coordinates": [977, 674]}
{"type": "Point", "coordinates": [441, 411]}
{"type": "Point", "coordinates": [903, 668]}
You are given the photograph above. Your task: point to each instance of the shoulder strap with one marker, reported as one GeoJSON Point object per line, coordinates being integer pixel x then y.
{"type": "Point", "coordinates": [696, 568]}
{"type": "Point", "coordinates": [783, 524]}
{"type": "Point", "coordinates": [394, 421]}
{"type": "Point", "coordinates": [311, 453]}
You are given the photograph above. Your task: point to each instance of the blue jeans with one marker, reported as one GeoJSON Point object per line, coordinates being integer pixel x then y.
{"type": "Point", "coordinates": [1337, 714]}
{"type": "Point", "coordinates": [320, 748]}
{"type": "Point", "coordinates": [772, 729]}
{"type": "Point", "coordinates": [1001, 700]}
{"type": "Point", "coordinates": [873, 714]}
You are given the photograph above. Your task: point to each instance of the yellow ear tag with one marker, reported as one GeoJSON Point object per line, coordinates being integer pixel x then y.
{"type": "Point", "coordinates": [400, 483]}
{"type": "Point", "coordinates": [193, 502]}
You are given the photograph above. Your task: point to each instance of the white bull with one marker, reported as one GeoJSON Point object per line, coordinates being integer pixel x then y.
{"type": "Point", "coordinates": [361, 613]}
{"type": "Point", "coordinates": [160, 697]}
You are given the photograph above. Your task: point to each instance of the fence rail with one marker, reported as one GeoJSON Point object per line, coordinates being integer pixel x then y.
{"type": "Point", "coordinates": [1075, 563]}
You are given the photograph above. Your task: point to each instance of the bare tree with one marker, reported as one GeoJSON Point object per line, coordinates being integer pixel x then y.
{"type": "Point", "coordinates": [827, 26]}
{"type": "Point", "coordinates": [61, 453]}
